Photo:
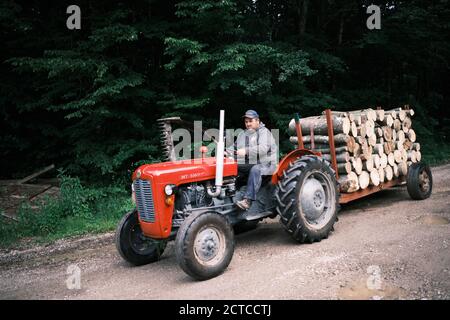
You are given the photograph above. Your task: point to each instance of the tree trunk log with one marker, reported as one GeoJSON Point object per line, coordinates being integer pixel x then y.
{"type": "Point", "coordinates": [372, 141]}
{"type": "Point", "coordinates": [344, 114]}
{"type": "Point", "coordinates": [356, 165]}
{"type": "Point", "coordinates": [395, 170]}
{"type": "Point", "coordinates": [364, 180]}
{"type": "Point", "coordinates": [401, 137]}
{"type": "Point", "coordinates": [349, 183]}
{"type": "Point", "coordinates": [418, 156]}
{"type": "Point", "coordinates": [391, 159]}
{"type": "Point", "coordinates": [324, 148]}
{"type": "Point", "coordinates": [344, 168]}
{"type": "Point", "coordinates": [353, 129]}
{"type": "Point", "coordinates": [387, 133]}
{"type": "Point", "coordinates": [370, 128]}
{"type": "Point", "coordinates": [376, 160]}
{"type": "Point", "coordinates": [399, 113]}
{"type": "Point", "coordinates": [366, 151]}
{"type": "Point", "coordinates": [404, 155]}
{"type": "Point", "coordinates": [388, 173]}
{"type": "Point", "coordinates": [361, 131]}
{"type": "Point", "coordinates": [407, 144]}
{"type": "Point", "coordinates": [340, 157]}
{"type": "Point", "coordinates": [378, 132]}
{"type": "Point", "coordinates": [368, 114]}
{"type": "Point", "coordinates": [381, 174]}
{"type": "Point", "coordinates": [380, 115]}
{"type": "Point", "coordinates": [406, 124]}
{"type": "Point", "coordinates": [378, 149]}
{"type": "Point", "coordinates": [412, 156]}
{"type": "Point", "coordinates": [356, 150]}
{"type": "Point", "coordinates": [388, 121]}
{"type": "Point", "coordinates": [403, 168]}
{"type": "Point", "coordinates": [374, 177]}
{"type": "Point", "coordinates": [339, 139]}
{"type": "Point", "coordinates": [398, 156]}
{"type": "Point", "coordinates": [319, 124]}
{"type": "Point", "coordinates": [411, 135]}
{"type": "Point", "coordinates": [397, 125]}
{"type": "Point", "coordinates": [388, 147]}
{"type": "Point", "coordinates": [368, 165]}
{"type": "Point", "coordinates": [383, 160]}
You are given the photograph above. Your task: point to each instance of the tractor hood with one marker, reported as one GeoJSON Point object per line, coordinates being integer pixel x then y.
{"type": "Point", "coordinates": [184, 171]}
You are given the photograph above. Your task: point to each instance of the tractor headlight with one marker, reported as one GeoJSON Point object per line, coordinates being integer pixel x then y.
{"type": "Point", "coordinates": [168, 189]}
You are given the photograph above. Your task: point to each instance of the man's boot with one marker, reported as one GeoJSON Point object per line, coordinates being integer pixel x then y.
{"type": "Point", "coordinates": [244, 204]}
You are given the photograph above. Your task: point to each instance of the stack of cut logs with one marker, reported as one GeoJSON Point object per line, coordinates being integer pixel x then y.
{"type": "Point", "coordinates": [372, 146]}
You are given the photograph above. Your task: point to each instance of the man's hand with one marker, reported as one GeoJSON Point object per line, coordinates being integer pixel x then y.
{"type": "Point", "coordinates": [241, 152]}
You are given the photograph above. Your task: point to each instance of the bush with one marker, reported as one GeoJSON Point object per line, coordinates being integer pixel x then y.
{"type": "Point", "coordinates": [78, 210]}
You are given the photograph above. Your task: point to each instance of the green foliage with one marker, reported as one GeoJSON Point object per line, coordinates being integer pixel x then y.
{"type": "Point", "coordinates": [78, 210]}
{"type": "Point", "coordinates": [88, 100]}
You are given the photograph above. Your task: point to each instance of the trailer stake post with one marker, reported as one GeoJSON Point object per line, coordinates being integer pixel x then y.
{"type": "Point", "coordinates": [331, 141]}
{"type": "Point", "coordinates": [298, 129]}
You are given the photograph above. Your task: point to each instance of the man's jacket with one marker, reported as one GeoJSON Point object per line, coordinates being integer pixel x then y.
{"type": "Point", "coordinates": [260, 147]}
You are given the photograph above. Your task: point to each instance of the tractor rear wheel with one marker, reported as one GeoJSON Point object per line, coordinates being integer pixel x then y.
{"type": "Point", "coordinates": [419, 181]}
{"type": "Point", "coordinates": [204, 245]}
{"type": "Point", "coordinates": [133, 246]}
{"type": "Point", "coordinates": [308, 199]}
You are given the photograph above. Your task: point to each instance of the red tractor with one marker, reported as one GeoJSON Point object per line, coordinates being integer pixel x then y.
{"type": "Point", "coordinates": [193, 202]}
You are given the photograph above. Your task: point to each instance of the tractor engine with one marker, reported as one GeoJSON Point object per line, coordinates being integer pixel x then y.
{"type": "Point", "coordinates": [194, 197]}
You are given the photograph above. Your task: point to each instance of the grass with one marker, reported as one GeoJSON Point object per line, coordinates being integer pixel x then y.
{"type": "Point", "coordinates": [437, 155]}
{"type": "Point", "coordinates": [79, 210]}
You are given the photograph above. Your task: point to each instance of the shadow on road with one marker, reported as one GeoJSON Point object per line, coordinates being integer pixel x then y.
{"type": "Point", "coordinates": [381, 199]}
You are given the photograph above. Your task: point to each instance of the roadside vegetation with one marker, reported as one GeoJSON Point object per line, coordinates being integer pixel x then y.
{"type": "Point", "coordinates": [77, 211]}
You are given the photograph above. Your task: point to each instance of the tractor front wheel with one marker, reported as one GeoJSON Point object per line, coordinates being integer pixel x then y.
{"type": "Point", "coordinates": [204, 245]}
{"type": "Point", "coordinates": [133, 246]}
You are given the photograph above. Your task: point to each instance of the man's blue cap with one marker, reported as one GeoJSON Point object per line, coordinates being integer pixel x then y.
{"type": "Point", "coordinates": [252, 114]}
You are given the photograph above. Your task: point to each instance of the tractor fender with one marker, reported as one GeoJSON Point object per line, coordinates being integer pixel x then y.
{"type": "Point", "coordinates": [290, 157]}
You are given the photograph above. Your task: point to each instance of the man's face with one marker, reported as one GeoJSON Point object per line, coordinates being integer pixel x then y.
{"type": "Point", "coordinates": [251, 124]}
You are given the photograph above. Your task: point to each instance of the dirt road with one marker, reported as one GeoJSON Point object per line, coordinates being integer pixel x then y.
{"type": "Point", "coordinates": [386, 246]}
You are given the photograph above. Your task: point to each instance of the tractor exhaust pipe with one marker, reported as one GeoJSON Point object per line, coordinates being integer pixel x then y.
{"type": "Point", "coordinates": [219, 159]}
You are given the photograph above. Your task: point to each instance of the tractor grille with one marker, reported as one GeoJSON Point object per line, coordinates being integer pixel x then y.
{"type": "Point", "coordinates": [144, 200]}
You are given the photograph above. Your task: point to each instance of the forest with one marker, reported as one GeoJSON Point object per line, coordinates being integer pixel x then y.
{"type": "Point", "coordinates": [87, 99]}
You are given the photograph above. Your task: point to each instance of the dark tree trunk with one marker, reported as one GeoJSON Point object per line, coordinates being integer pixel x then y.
{"type": "Point", "coordinates": [302, 13]}
{"type": "Point", "coordinates": [341, 30]}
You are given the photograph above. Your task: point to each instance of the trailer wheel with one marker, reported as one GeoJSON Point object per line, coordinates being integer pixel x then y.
{"type": "Point", "coordinates": [133, 246]}
{"type": "Point", "coordinates": [308, 199]}
{"type": "Point", "coordinates": [419, 181]}
{"type": "Point", "coordinates": [204, 245]}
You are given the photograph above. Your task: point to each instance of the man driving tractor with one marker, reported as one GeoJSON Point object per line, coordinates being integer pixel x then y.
{"type": "Point", "coordinates": [256, 152]}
